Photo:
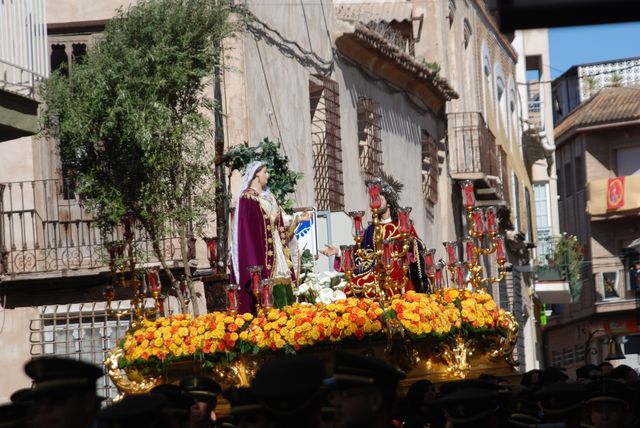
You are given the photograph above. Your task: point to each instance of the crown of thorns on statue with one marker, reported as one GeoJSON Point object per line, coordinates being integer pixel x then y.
{"type": "Point", "coordinates": [390, 188]}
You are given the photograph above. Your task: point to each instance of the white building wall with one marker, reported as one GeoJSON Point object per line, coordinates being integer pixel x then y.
{"type": "Point", "coordinates": [16, 349]}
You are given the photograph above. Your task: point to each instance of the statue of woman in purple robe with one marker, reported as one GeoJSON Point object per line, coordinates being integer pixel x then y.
{"type": "Point", "coordinates": [260, 238]}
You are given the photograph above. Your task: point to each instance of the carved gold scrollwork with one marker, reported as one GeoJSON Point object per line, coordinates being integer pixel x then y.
{"type": "Point", "coordinates": [131, 381]}
{"type": "Point", "coordinates": [237, 373]}
{"type": "Point", "coordinates": [511, 341]}
{"type": "Point", "coordinates": [457, 355]}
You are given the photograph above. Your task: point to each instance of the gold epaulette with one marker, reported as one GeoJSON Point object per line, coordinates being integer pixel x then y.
{"type": "Point", "coordinates": [251, 194]}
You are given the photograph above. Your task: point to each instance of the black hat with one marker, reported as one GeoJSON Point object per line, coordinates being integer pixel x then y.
{"type": "Point", "coordinates": [525, 411]}
{"type": "Point", "coordinates": [469, 404]}
{"type": "Point", "coordinates": [53, 374]}
{"type": "Point", "coordinates": [560, 398]}
{"type": "Point", "coordinates": [288, 385]}
{"type": "Point", "coordinates": [608, 390]}
{"type": "Point", "coordinates": [141, 410]}
{"type": "Point", "coordinates": [226, 422]}
{"type": "Point", "coordinates": [14, 415]}
{"type": "Point", "coordinates": [176, 401]}
{"type": "Point", "coordinates": [21, 395]}
{"type": "Point", "coordinates": [357, 370]}
{"type": "Point", "coordinates": [457, 385]}
{"type": "Point", "coordinates": [201, 388]}
{"type": "Point", "coordinates": [241, 400]}
{"type": "Point", "coordinates": [584, 371]}
{"type": "Point", "coordinates": [553, 375]}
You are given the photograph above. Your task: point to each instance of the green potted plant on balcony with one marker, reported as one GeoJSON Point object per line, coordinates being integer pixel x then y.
{"type": "Point", "coordinates": [562, 265]}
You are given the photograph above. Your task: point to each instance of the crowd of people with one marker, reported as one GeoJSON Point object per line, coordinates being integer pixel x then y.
{"type": "Point", "coordinates": [361, 392]}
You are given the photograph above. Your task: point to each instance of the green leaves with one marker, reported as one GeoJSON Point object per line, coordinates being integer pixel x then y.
{"type": "Point", "coordinates": [133, 122]}
{"type": "Point", "coordinates": [282, 181]}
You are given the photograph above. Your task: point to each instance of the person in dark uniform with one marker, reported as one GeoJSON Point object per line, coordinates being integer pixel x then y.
{"type": "Point", "coordinates": [363, 391]}
{"type": "Point", "coordinates": [607, 406]}
{"type": "Point", "coordinates": [470, 403]}
{"type": "Point", "coordinates": [14, 415]}
{"type": "Point", "coordinates": [64, 392]}
{"type": "Point", "coordinates": [204, 392]}
{"type": "Point", "coordinates": [177, 407]}
{"type": "Point", "coordinates": [246, 411]}
{"type": "Point", "coordinates": [288, 389]}
{"type": "Point", "coordinates": [135, 411]}
{"type": "Point", "coordinates": [563, 402]}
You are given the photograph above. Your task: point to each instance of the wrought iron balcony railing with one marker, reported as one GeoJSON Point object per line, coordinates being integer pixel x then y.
{"type": "Point", "coordinates": [44, 228]}
{"type": "Point", "coordinates": [473, 154]}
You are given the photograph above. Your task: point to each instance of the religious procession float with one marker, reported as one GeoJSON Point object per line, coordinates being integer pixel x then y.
{"type": "Point", "coordinates": [433, 319]}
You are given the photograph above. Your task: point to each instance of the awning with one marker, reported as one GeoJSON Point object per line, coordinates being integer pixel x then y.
{"type": "Point", "coordinates": [635, 244]}
{"type": "Point", "coordinates": [368, 12]}
{"type": "Point", "coordinates": [18, 116]}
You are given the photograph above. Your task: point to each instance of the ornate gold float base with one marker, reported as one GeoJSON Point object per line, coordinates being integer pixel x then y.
{"type": "Point", "coordinates": [436, 360]}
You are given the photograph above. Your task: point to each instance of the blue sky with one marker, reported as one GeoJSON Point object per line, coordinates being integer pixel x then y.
{"type": "Point", "coordinates": [593, 43]}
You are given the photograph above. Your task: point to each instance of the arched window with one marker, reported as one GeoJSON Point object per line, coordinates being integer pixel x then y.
{"type": "Point", "coordinates": [466, 32]}
{"type": "Point", "coordinates": [487, 85]}
{"type": "Point", "coordinates": [512, 110]}
{"type": "Point", "coordinates": [499, 88]}
{"type": "Point", "coordinates": [500, 106]}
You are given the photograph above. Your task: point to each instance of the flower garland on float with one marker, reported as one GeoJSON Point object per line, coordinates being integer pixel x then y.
{"type": "Point", "coordinates": [220, 336]}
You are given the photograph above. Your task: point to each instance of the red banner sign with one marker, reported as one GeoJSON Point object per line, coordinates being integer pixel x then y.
{"type": "Point", "coordinates": [615, 193]}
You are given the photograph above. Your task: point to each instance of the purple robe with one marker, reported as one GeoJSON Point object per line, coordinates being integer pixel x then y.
{"type": "Point", "coordinates": [255, 245]}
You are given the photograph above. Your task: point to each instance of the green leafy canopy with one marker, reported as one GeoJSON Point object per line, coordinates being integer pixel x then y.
{"type": "Point", "coordinates": [282, 180]}
{"type": "Point", "coordinates": [133, 120]}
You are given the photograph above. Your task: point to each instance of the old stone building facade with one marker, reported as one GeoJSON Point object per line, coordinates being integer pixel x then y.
{"type": "Point", "coordinates": [425, 91]}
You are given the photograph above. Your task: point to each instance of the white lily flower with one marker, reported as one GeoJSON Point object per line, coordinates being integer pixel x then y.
{"type": "Point", "coordinates": [325, 296]}
{"type": "Point", "coordinates": [302, 289]}
{"type": "Point", "coordinates": [338, 295]}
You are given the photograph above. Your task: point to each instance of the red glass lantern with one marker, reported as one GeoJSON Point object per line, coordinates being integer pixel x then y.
{"type": "Point", "coordinates": [450, 249]}
{"type": "Point", "coordinates": [492, 221]}
{"type": "Point", "coordinates": [470, 251]}
{"type": "Point", "coordinates": [468, 196]}
{"type": "Point", "coordinates": [387, 251]}
{"type": "Point", "coordinates": [403, 219]}
{"type": "Point", "coordinates": [500, 253]}
{"type": "Point", "coordinates": [232, 298]}
{"type": "Point", "coordinates": [438, 281]}
{"type": "Point", "coordinates": [478, 221]}
{"type": "Point", "coordinates": [256, 272]}
{"type": "Point", "coordinates": [347, 258]}
{"type": "Point", "coordinates": [212, 252]}
{"type": "Point", "coordinates": [356, 218]}
{"type": "Point", "coordinates": [267, 293]}
{"type": "Point", "coordinates": [374, 194]}
{"type": "Point", "coordinates": [428, 257]}
{"type": "Point", "coordinates": [153, 281]}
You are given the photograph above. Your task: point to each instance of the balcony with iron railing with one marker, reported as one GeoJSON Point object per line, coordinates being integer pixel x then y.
{"type": "Point", "coordinates": [474, 155]}
{"type": "Point", "coordinates": [46, 231]}
{"type": "Point", "coordinates": [23, 64]}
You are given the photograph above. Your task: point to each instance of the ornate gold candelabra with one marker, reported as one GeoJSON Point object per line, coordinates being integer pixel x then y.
{"type": "Point", "coordinates": [482, 239]}
{"type": "Point", "coordinates": [125, 275]}
{"type": "Point", "coordinates": [385, 254]}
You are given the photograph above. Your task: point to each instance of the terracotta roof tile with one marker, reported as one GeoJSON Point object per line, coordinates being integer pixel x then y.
{"type": "Point", "coordinates": [609, 105]}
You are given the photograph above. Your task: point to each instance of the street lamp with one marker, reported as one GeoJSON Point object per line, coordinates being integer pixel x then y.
{"type": "Point", "coordinates": [614, 349]}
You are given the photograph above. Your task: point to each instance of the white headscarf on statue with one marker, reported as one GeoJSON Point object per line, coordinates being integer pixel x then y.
{"type": "Point", "coordinates": [249, 174]}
